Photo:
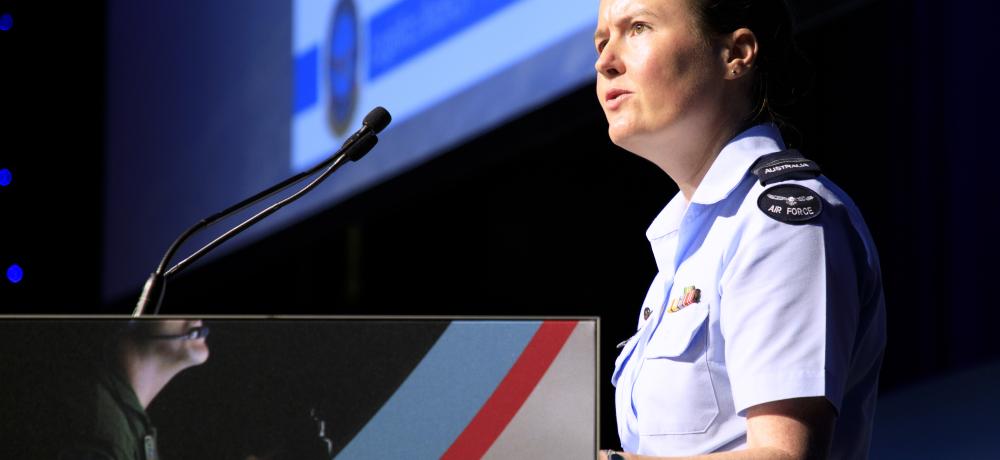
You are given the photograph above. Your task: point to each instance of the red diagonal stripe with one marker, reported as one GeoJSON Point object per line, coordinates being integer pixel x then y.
{"type": "Point", "coordinates": [507, 399]}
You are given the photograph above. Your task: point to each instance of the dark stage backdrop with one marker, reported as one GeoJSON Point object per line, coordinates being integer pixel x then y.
{"type": "Point", "coordinates": [543, 215]}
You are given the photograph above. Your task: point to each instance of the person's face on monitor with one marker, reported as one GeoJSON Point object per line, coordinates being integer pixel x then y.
{"type": "Point", "coordinates": [181, 351]}
{"type": "Point", "coordinates": [657, 76]}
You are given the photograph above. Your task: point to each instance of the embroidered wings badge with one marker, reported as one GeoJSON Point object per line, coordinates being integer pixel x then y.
{"type": "Point", "coordinates": [791, 200]}
{"type": "Point", "coordinates": [790, 203]}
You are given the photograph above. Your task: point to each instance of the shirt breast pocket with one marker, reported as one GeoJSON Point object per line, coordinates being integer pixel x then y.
{"type": "Point", "coordinates": [673, 391]}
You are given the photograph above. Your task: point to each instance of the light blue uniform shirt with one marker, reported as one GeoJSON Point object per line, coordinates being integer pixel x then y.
{"type": "Point", "coordinates": [784, 311]}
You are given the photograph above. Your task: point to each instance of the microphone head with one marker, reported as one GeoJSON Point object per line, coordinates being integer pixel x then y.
{"type": "Point", "coordinates": [377, 119]}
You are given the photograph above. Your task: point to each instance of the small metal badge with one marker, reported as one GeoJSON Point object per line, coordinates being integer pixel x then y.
{"type": "Point", "coordinates": [149, 442]}
{"type": "Point", "coordinates": [646, 313]}
{"type": "Point", "coordinates": [790, 203]}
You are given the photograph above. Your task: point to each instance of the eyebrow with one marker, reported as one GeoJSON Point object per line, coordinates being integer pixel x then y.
{"type": "Point", "coordinates": [599, 34]}
{"type": "Point", "coordinates": [642, 12]}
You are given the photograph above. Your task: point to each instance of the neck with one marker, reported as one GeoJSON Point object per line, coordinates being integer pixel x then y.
{"type": "Point", "coordinates": [687, 156]}
{"type": "Point", "coordinates": [146, 374]}
{"type": "Point", "coordinates": [687, 159]}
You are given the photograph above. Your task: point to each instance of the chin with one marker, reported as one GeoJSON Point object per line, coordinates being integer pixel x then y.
{"type": "Point", "coordinates": [200, 354]}
{"type": "Point", "coordinates": [623, 138]}
{"type": "Point", "coordinates": [618, 134]}
{"type": "Point", "coordinates": [194, 354]}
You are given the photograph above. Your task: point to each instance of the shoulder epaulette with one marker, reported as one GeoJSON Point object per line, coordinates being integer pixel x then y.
{"type": "Point", "coordinates": [784, 165]}
{"type": "Point", "coordinates": [788, 203]}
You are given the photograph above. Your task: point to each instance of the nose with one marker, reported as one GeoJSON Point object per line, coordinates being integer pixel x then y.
{"type": "Point", "coordinates": [609, 63]}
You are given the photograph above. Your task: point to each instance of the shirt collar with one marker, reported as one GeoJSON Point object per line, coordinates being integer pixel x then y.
{"type": "Point", "coordinates": [735, 159]}
{"type": "Point", "coordinates": [125, 395]}
{"type": "Point", "coordinates": [723, 176]}
{"type": "Point", "coordinates": [669, 219]}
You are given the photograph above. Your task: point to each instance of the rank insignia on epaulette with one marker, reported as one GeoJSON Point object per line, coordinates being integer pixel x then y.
{"type": "Point", "coordinates": [790, 203]}
{"type": "Point", "coordinates": [691, 296]}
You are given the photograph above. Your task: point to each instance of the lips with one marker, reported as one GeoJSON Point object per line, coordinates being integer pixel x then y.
{"type": "Point", "coordinates": [614, 98]}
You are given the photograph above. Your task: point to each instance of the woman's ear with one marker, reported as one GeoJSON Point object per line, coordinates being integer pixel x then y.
{"type": "Point", "coordinates": [740, 52]}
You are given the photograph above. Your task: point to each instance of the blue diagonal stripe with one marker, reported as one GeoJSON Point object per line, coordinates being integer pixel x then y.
{"type": "Point", "coordinates": [445, 391]}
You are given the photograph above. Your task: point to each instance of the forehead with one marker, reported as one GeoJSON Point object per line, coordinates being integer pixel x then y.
{"type": "Point", "coordinates": [610, 10]}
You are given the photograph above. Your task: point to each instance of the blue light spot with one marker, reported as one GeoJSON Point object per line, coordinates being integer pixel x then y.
{"type": "Point", "coordinates": [5, 177]}
{"type": "Point", "coordinates": [6, 21]}
{"type": "Point", "coordinates": [15, 274]}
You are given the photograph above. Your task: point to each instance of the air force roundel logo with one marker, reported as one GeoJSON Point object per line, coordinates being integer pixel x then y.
{"type": "Point", "coordinates": [342, 66]}
{"type": "Point", "coordinates": [790, 203]}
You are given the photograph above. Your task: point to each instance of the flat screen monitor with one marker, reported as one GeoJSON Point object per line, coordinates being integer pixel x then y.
{"type": "Point", "coordinates": [303, 388]}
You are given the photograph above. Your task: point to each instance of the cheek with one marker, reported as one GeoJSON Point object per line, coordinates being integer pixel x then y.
{"type": "Point", "coordinates": [667, 76]}
{"type": "Point", "coordinates": [599, 88]}
{"type": "Point", "coordinates": [677, 82]}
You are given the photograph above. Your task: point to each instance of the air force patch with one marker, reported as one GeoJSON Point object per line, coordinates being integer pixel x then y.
{"type": "Point", "coordinates": [790, 203]}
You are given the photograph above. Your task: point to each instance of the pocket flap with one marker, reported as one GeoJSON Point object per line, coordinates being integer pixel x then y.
{"type": "Point", "coordinates": [676, 331]}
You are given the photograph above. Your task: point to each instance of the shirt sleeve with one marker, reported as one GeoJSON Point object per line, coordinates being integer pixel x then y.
{"type": "Point", "coordinates": [789, 308]}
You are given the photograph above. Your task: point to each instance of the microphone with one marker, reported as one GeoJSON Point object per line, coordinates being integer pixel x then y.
{"type": "Point", "coordinates": [354, 148]}
{"type": "Point", "coordinates": [374, 123]}
{"type": "Point", "coordinates": [192, 334]}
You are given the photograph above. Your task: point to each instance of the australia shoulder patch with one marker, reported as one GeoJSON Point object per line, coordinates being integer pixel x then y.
{"type": "Point", "coordinates": [790, 203]}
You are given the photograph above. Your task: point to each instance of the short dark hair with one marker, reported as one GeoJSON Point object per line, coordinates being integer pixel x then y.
{"type": "Point", "coordinates": [781, 70]}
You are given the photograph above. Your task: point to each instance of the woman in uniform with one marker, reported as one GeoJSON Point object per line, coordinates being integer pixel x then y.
{"type": "Point", "coordinates": [762, 334]}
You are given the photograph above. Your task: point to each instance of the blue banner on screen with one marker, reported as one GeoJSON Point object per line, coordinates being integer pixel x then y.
{"type": "Point", "coordinates": [207, 107]}
{"type": "Point", "coordinates": [410, 27]}
{"type": "Point", "coordinates": [409, 55]}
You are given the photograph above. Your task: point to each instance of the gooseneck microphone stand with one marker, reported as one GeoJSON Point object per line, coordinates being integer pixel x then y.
{"type": "Point", "coordinates": [354, 148]}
